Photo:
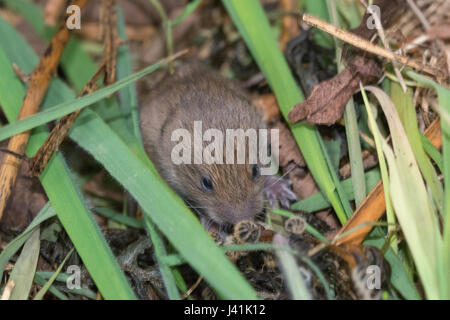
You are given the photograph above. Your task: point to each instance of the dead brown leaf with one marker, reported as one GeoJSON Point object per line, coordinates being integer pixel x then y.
{"type": "Point", "coordinates": [327, 101]}
{"type": "Point", "coordinates": [268, 105]}
{"type": "Point", "coordinates": [289, 150]}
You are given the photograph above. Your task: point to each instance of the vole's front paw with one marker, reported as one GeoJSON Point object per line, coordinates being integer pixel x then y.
{"type": "Point", "coordinates": [277, 189]}
{"type": "Point", "coordinates": [218, 232]}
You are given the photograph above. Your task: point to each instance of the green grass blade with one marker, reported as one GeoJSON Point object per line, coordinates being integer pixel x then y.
{"type": "Point", "coordinates": [432, 151]}
{"type": "Point", "coordinates": [384, 171]}
{"type": "Point", "coordinates": [164, 208]}
{"type": "Point", "coordinates": [291, 271]}
{"type": "Point", "coordinates": [351, 123]}
{"type": "Point", "coordinates": [318, 8]}
{"type": "Point", "coordinates": [413, 208]}
{"type": "Point", "coordinates": [63, 277]}
{"type": "Point", "coordinates": [57, 181]}
{"type": "Point", "coordinates": [190, 7]}
{"type": "Point", "coordinates": [25, 267]}
{"type": "Point", "coordinates": [41, 281]}
{"type": "Point", "coordinates": [444, 102]}
{"type": "Point", "coordinates": [160, 251]}
{"type": "Point", "coordinates": [251, 21]}
{"type": "Point", "coordinates": [340, 192]}
{"type": "Point", "coordinates": [318, 201]}
{"type": "Point", "coordinates": [14, 245]}
{"type": "Point", "coordinates": [399, 278]}
{"type": "Point", "coordinates": [78, 67]}
{"type": "Point", "coordinates": [407, 112]}
{"type": "Point", "coordinates": [128, 95]}
{"type": "Point", "coordinates": [50, 281]}
{"type": "Point", "coordinates": [64, 108]}
{"type": "Point", "coordinates": [120, 218]}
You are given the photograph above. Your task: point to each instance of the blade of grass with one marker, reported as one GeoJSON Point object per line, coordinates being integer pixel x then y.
{"type": "Point", "coordinates": [412, 206]}
{"type": "Point", "coordinates": [64, 108]}
{"type": "Point", "coordinates": [190, 7]}
{"type": "Point", "coordinates": [318, 8]}
{"type": "Point", "coordinates": [25, 267]}
{"type": "Point", "coordinates": [407, 112]}
{"type": "Point", "coordinates": [64, 195]}
{"type": "Point", "coordinates": [318, 201]}
{"type": "Point", "coordinates": [444, 102]}
{"type": "Point", "coordinates": [41, 281]}
{"type": "Point", "coordinates": [291, 271]}
{"type": "Point", "coordinates": [384, 173]}
{"type": "Point", "coordinates": [252, 23]}
{"type": "Point", "coordinates": [77, 65]}
{"type": "Point", "coordinates": [167, 210]}
{"type": "Point", "coordinates": [340, 191]}
{"type": "Point", "coordinates": [351, 124]}
{"type": "Point", "coordinates": [399, 278]}
{"type": "Point", "coordinates": [79, 60]}
{"type": "Point", "coordinates": [160, 251]}
{"type": "Point", "coordinates": [50, 281]}
{"type": "Point", "coordinates": [128, 97]}
{"type": "Point", "coordinates": [432, 151]}
{"type": "Point", "coordinates": [349, 10]}
{"type": "Point", "coordinates": [14, 245]}
{"type": "Point", "coordinates": [120, 218]}
{"type": "Point", "coordinates": [63, 277]}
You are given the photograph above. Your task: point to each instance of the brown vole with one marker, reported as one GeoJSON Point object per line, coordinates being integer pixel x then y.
{"type": "Point", "coordinates": [219, 193]}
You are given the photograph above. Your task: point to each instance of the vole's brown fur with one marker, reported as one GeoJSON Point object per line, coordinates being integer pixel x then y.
{"type": "Point", "coordinates": [196, 93]}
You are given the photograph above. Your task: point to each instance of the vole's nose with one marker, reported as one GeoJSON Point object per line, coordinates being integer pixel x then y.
{"type": "Point", "coordinates": [235, 215]}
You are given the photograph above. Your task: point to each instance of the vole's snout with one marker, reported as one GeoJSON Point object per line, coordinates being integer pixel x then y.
{"type": "Point", "coordinates": [234, 215]}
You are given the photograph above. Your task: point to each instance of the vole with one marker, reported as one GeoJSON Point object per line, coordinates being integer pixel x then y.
{"type": "Point", "coordinates": [222, 194]}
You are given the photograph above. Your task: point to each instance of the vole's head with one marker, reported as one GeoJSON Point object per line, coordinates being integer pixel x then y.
{"type": "Point", "coordinates": [225, 193]}
{"type": "Point", "coordinates": [228, 186]}
{"type": "Point", "coordinates": [210, 120]}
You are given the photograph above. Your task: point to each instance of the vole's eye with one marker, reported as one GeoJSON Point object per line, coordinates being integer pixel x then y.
{"type": "Point", "coordinates": [207, 184]}
{"type": "Point", "coordinates": [255, 171]}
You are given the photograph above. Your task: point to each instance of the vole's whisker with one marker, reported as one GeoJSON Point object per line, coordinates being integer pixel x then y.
{"type": "Point", "coordinates": [279, 178]}
{"type": "Point", "coordinates": [194, 208]}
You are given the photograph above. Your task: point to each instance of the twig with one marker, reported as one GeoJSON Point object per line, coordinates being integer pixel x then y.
{"type": "Point", "coordinates": [366, 45]}
{"type": "Point", "coordinates": [191, 289]}
{"type": "Point", "coordinates": [39, 82]}
{"type": "Point", "coordinates": [108, 19]}
{"type": "Point", "coordinates": [382, 36]}
{"type": "Point", "coordinates": [54, 140]}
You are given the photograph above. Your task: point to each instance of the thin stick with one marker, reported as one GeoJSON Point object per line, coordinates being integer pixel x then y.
{"type": "Point", "coordinates": [191, 289]}
{"type": "Point", "coordinates": [39, 82]}
{"type": "Point", "coordinates": [366, 45]}
{"type": "Point", "coordinates": [56, 137]}
{"type": "Point", "coordinates": [108, 18]}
